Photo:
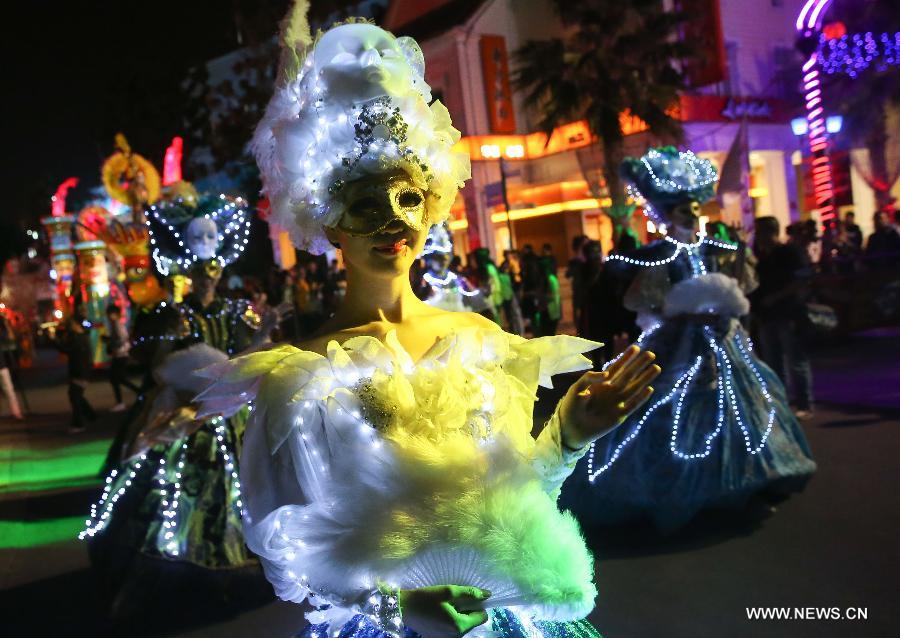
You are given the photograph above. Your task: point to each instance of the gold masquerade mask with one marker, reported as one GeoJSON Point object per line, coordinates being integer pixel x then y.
{"type": "Point", "coordinates": [372, 203]}
{"type": "Point", "coordinates": [210, 268]}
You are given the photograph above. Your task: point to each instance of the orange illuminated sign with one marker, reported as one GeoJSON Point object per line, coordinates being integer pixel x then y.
{"type": "Point", "coordinates": [495, 67]}
{"type": "Point", "coordinates": [535, 145]}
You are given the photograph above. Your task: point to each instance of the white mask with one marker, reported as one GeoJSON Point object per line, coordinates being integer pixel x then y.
{"type": "Point", "coordinates": [358, 62]}
{"type": "Point", "coordinates": [203, 237]}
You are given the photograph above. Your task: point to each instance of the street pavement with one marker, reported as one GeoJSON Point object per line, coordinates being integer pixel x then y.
{"type": "Point", "coordinates": [832, 546]}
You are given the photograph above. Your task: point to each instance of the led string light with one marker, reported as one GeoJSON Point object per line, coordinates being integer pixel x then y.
{"type": "Point", "coordinates": [236, 230]}
{"type": "Point", "coordinates": [704, 173]}
{"type": "Point", "coordinates": [646, 333]}
{"type": "Point", "coordinates": [230, 307]}
{"type": "Point", "coordinates": [850, 54]}
{"type": "Point", "coordinates": [450, 281]}
{"type": "Point", "coordinates": [679, 248]}
{"type": "Point", "coordinates": [698, 268]}
{"type": "Point", "coordinates": [682, 386]}
{"type": "Point", "coordinates": [108, 501]}
{"type": "Point", "coordinates": [725, 394]}
{"type": "Point", "coordinates": [853, 54]}
{"type": "Point", "coordinates": [617, 451]}
{"type": "Point", "coordinates": [646, 207]}
{"type": "Point", "coordinates": [719, 244]}
{"type": "Point", "coordinates": [369, 434]}
{"type": "Point", "coordinates": [151, 338]}
{"type": "Point", "coordinates": [236, 308]}
{"type": "Point", "coordinates": [720, 421]}
{"type": "Point", "coordinates": [765, 392]}
{"type": "Point", "coordinates": [340, 138]}
{"type": "Point", "coordinates": [645, 263]}
{"type": "Point", "coordinates": [102, 510]}
{"type": "Point", "coordinates": [228, 460]}
{"type": "Point", "coordinates": [170, 515]}
{"type": "Point", "coordinates": [640, 340]}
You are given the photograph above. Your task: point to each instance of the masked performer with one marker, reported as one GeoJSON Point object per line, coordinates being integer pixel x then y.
{"type": "Point", "coordinates": [390, 476]}
{"type": "Point", "coordinates": [446, 290]}
{"type": "Point", "coordinates": [719, 429]}
{"type": "Point", "coordinates": [177, 494]}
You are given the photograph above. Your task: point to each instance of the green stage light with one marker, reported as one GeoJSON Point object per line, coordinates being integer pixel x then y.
{"type": "Point", "coordinates": [28, 470]}
{"type": "Point", "coordinates": [24, 534]}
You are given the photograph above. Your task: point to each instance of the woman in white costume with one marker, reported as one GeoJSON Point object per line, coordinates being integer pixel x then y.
{"type": "Point", "coordinates": [390, 476]}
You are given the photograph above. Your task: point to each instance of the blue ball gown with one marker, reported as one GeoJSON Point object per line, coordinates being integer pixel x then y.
{"type": "Point", "coordinates": [717, 429]}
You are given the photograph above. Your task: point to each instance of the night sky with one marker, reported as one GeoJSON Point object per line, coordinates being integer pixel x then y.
{"type": "Point", "coordinates": [77, 72]}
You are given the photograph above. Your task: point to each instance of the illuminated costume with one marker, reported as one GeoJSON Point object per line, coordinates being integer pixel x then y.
{"type": "Point", "coordinates": [176, 496]}
{"type": "Point", "coordinates": [718, 427]}
{"type": "Point", "coordinates": [365, 471]}
{"type": "Point", "coordinates": [446, 289]}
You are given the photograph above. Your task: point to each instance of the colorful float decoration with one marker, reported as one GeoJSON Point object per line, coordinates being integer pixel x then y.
{"type": "Point", "coordinates": [93, 289]}
{"type": "Point", "coordinates": [130, 178]}
{"type": "Point", "coordinates": [58, 226]}
{"type": "Point", "coordinates": [131, 242]}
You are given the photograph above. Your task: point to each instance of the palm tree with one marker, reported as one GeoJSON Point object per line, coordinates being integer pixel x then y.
{"type": "Point", "coordinates": [616, 56]}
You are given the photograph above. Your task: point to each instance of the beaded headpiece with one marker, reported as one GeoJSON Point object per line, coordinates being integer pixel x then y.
{"type": "Point", "coordinates": [666, 177]}
{"type": "Point", "coordinates": [357, 104]}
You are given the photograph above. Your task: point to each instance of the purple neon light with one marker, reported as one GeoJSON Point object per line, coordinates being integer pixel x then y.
{"type": "Point", "coordinates": [809, 21]}
{"type": "Point", "coordinates": [802, 17]}
{"type": "Point", "coordinates": [814, 18]}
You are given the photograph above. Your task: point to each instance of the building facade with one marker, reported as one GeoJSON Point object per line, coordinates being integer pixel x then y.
{"type": "Point", "coordinates": [748, 78]}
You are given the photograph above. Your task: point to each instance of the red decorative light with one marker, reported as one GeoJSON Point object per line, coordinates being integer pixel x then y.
{"type": "Point", "coordinates": [58, 206]}
{"type": "Point", "coordinates": [172, 162]}
{"type": "Point", "coordinates": [834, 30]}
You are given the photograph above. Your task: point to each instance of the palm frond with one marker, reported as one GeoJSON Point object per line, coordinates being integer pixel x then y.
{"type": "Point", "coordinates": [616, 56]}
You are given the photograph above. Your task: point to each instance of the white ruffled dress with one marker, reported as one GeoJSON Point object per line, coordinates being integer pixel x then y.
{"type": "Point", "coordinates": [363, 466]}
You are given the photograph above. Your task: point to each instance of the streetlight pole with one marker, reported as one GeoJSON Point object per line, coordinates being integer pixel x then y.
{"type": "Point", "coordinates": [509, 226]}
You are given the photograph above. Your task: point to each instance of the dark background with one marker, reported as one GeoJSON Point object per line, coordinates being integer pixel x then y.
{"type": "Point", "coordinates": [76, 73]}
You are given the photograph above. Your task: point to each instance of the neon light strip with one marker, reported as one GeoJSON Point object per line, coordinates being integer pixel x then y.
{"type": "Point", "coordinates": [817, 12]}
{"type": "Point", "coordinates": [803, 13]}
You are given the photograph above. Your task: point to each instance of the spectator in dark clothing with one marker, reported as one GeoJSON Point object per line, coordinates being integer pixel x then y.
{"type": "Point", "coordinates": [76, 344]}
{"type": "Point", "coordinates": [513, 265]}
{"type": "Point", "coordinates": [8, 348]}
{"type": "Point", "coordinates": [883, 246]}
{"type": "Point", "coordinates": [455, 265]}
{"type": "Point", "coordinates": [604, 317]}
{"type": "Point", "coordinates": [551, 306]}
{"type": "Point", "coordinates": [847, 244]}
{"type": "Point", "coordinates": [547, 253]}
{"type": "Point", "coordinates": [779, 309]}
{"type": "Point", "coordinates": [118, 345]}
{"type": "Point", "coordinates": [533, 289]}
{"type": "Point", "coordinates": [626, 243]}
{"type": "Point", "coordinates": [575, 272]}
{"type": "Point", "coordinates": [853, 233]}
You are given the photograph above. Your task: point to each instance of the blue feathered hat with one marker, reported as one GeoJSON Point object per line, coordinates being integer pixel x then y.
{"type": "Point", "coordinates": [666, 177]}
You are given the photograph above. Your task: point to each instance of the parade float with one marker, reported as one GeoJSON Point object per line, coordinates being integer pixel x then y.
{"type": "Point", "coordinates": [58, 226]}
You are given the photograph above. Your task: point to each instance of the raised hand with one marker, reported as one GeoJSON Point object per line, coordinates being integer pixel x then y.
{"type": "Point", "coordinates": [599, 401]}
{"type": "Point", "coordinates": [443, 611]}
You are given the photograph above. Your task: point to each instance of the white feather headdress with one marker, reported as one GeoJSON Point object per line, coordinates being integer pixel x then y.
{"type": "Point", "coordinates": [357, 104]}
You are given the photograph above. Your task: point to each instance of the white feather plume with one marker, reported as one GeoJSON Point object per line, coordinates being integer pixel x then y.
{"type": "Point", "coordinates": [713, 293]}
